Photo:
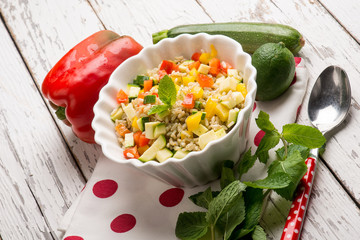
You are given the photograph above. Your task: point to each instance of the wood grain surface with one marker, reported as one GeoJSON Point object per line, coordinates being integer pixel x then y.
{"type": "Point", "coordinates": [43, 166]}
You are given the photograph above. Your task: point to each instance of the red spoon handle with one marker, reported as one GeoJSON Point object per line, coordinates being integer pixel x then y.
{"type": "Point", "coordinates": [298, 208]}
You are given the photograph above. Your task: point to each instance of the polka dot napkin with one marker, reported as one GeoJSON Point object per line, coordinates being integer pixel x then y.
{"type": "Point", "coordinates": [119, 202]}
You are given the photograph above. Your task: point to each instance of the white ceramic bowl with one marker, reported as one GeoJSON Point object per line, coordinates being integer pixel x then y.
{"type": "Point", "coordinates": [198, 167]}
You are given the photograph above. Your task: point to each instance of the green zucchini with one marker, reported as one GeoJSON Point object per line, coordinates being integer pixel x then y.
{"type": "Point", "coordinates": [249, 35]}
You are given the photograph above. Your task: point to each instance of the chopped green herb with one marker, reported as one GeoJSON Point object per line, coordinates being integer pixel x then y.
{"type": "Point", "coordinates": [149, 99]}
{"type": "Point", "coordinates": [167, 94]}
{"type": "Point", "coordinates": [198, 105]}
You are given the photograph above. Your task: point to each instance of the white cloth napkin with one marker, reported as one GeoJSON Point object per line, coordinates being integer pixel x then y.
{"type": "Point", "coordinates": [120, 202]}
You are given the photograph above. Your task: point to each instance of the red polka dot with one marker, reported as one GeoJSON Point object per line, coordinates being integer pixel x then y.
{"type": "Point", "coordinates": [73, 238]}
{"type": "Point", "coordinates": [254, 106]}
{"type": "Point", "coordinates": [105, 188]}
{"type": "Point", "coordinates": [123, 223]}
{"type": "Point", "coordinates": [258, 137]}
{"type": "Point", "coordinates": [297, 61]}
{"type": "Point", "coordinates": [171, 197]}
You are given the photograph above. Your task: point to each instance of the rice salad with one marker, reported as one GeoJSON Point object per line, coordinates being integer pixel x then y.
{"type": "Point", "coordinates": [178, 107]}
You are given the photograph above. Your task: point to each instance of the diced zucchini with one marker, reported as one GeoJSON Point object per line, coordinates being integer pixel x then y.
{"type": "Point", "coordinates": [163, 154]}
{"type": "Point", "coordinates": [220, 133]}
{"type": "Point", "coordinates": [203, 115]}
{"type": "Point", "coordinates": [233, 113]}
{"type": "Point", "coordinates": [159, 130]}
{"type": "Point", "coordinates": [204, 69]}
{"type": "Point", "coordinates": [150, 154]}
{"type": "Point", "coordinates": [229, 103]}
{"type": "Point", "coordinates": [116, 114]}
{"type": "Point", "coordinates": [149, 99]}
{"type": "Point", "coordinates": [179, 154]}
{"type": "Point", "coordinates": [228, 84]}
{"type": "Point", "coordinates": [129, 140]}
{"type": "Point", "coordinates": [238, 97]}
{"type": "Point", "coordinates": [200, 130]}
{"type": "Point", "coordinates": [130, 85]}
{"type": "Point", "coordinates": [206, 138]}
{"type": "Point", "coordinates": [198, 105]}
{"type": "Point", "coordinates": [129, 111]}
{"type": "Point", "coordinates": [134, 92]}
{"type": "Point", "coordinates": [141, 123]}
{"type": "Point", "coordinates": [150, 129]}
{"type": "Point", "coordinates": [233, 73]}
{"type": "Point", "coordinates": [139, 80]}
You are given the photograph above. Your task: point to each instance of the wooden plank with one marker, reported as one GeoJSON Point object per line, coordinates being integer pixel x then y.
{"type": "Point", "coordinates": [44, 33]}
{"type": "Point", "coordinates": [346, 13]}
{"type": "Point", "coordinates": [39, 179]}
{"type": "Point", "coordinates": [140, 19]}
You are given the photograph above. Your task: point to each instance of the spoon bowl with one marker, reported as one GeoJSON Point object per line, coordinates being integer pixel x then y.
{"type": "Point", "coordinates": [329, 103]}
{"type": "Point", "coordinates": [330, 99]}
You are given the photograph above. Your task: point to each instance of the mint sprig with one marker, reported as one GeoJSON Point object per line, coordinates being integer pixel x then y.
{"type": "Point", "coordinates": [167, 94]}
{"type": "Point", "coordinates": [234, 212]}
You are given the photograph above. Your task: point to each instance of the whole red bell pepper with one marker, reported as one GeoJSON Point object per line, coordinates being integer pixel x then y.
{"type": "Point", "coordinates": [74, 83]}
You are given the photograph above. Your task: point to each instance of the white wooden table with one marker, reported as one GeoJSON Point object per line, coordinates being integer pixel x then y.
{"type": "Point", "coordinates": [43, 166]}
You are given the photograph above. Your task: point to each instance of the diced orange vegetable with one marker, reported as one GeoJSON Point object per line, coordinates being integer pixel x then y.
{"type": "Point", "coordinates": [193, 121]}
{"type": "Point", "coordinates": [121, 129]}
{"type": "Point", "coordinates": [224, 66]}
{"type": "Point", "coordinates": [142, 149]}
{"type": "Point", "coordinates": [143, 141]}
{"type": "Point", "coordinates": [148, 85]}
{"type": "Point", "coordinates": [195, 65]}
{"type": "Point", "coordinates": [205, 80]}
{"type": "Point", "coordinates": [131, 152]}
{"type": "Point", "coordinates": [196, 56]}
{"type": "Point", "coordinates": [137, 137]}
{"type": "Point", "coordinates": [189, 101]}
{"type": "Point", "coordinates": [122, 97]}
{"type": "Point", "coordinates": [210, 108]}
{"type": "Point", "coordinates": [214, 66]}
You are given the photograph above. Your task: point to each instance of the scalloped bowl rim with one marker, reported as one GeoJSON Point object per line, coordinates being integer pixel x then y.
{"type": "Point", "coordinates": [96, 123]}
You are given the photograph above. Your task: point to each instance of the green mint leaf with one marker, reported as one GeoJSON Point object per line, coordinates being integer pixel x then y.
{"type": "Point", "coordinates": [158, 109]}
{"type": "Point", "coordinates": [202, 199]}
{"type": "Point", "coordinates": [303, 135]}
{"type": "Point", "coordinates": [227, 174]}
{"type": "Point", "coordinates": [253, 205]}
{"type": "Point", "coordinates": [263, 122]}
{"type": "Point", "coordinates": [246, 162]}
{"type": "Point", "coordinates": [269, 141]}
{"type": "Point", "coordinates": [191, 225]}
{"type": "Point", "coordinates": [224, 201]}
{"type": "Point", "coordinates": [273, 181]}
{"type": "Point", "coordinates": [294, 165]}
{"type": "Point", "coordinates": [259, 233]}
{"type": "Point", "coordinates": [167, 91]}
{"type": "Point", "coordinates": [236, 215]}
{"type": "Point", "coordinates": [304, 151]}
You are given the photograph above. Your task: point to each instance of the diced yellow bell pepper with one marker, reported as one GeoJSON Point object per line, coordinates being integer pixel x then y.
{"type": "Point", "coordinates": [197, 92]}
{"type": "Point", "coordinates": [205, 58]}
{"type": "Point", "coordinates": [141, 91]}
{"type": "Point", "coordinates": [210, 108]}
{"type": "Point", "coordinates": [213, 52]}
{"type": "Point", "coordinates": [241, 88]}
{"type": "Point", "coordinates": [134, 124]}
{"type": "Point", "coordinates": [186, 134]}
{"type": "Point", "coordinates": [193, 72]}
{"type": "Point", "coordinates": [193, 121]}
{"type": "Point", "coordinates": [188, 79]}
{"type": "Point", "coordinates": [177, 87]}
{"type": "Point", "coordinates": [222, 112]}
{"type": "Point", "coordinates": [177, 80]}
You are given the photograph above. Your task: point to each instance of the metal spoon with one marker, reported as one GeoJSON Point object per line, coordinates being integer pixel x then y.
{"type": "Point", "coordinates": [328, 106]}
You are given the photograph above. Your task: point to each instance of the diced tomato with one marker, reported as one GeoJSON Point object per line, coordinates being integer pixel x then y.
{"type": "Point", "coordinates": [224, 66]}
{"type": "Point", "coordinates": [189, 101]}
{"type": "Point", "coordinates": [214, 66]}
{"type": "Point", "coordinates": [161, 74]}
{"type": "Point", "coordinates": [196, 56]}
{"type": "Point", "coordinates": [137, 137]}
{"type": "Point", "coordinates": [131, 152]}
{"type": "Point", "coordinates": [122, 97]}
{"type": "Point", "coordinates": [168, 66]}
{"type": "Point", "coordinates": [121, 129]}
{"type": "Point", "coordinates": [205, 80]}
{"type": "Point", "coordinates": [143, 141]}
{"type": "Point", "coordinates": [148, 85]}
{"type": "Point", "coordinates": [195, 65]}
